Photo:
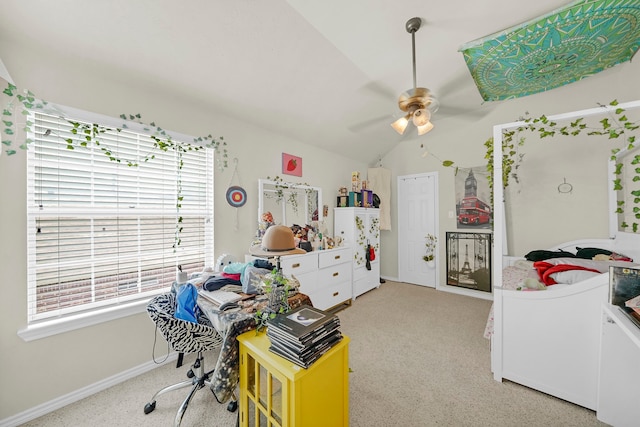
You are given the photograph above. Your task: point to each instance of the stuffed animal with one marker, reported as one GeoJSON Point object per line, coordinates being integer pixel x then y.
{"type": "Point", "coordinates": [532, 284]}
{"type": "Point", "coordinates": [224, 259]}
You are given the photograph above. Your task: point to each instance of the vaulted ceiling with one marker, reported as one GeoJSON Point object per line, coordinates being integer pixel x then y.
{"type": "Point", "coordinates": [326, 73]}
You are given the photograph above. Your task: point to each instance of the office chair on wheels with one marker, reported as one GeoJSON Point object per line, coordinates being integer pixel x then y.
{"type": "Point", "coordinates": [185, 337]}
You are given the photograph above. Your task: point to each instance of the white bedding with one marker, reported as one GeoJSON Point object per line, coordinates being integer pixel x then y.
{"type": "Point", "coordinates": [513, 277]}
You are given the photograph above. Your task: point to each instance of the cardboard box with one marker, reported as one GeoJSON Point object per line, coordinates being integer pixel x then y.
{"type": "Point", "coordinates": [355, 182]}
{"type": "Point", "coordinates": [367, 198]}
{"type": "Point", "coordinates": [354, 199]}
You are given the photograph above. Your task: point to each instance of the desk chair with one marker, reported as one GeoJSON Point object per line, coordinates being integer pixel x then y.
{"type": "Point", "coordinates": [184, 337]}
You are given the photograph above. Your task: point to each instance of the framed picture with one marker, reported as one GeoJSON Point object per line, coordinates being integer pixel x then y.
{"type": "Point", "coordinates": [624, 290]}
{"type": "Point", "coordinates": [469, 260]}
{"type": "Point", "coordinates": [291, 165]}
{"type": "Point", "coordinates": [472, 190]}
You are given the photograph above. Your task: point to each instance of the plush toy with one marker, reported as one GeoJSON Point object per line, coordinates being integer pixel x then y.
{"type": "Point", "coordinates": [267, 217]}
{"type": "Point", "coordinates": [531, 284]}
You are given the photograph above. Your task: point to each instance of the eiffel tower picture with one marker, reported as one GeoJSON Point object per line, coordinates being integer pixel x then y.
{"type": "Point", "coordinates": [466, 268]}
{"type": "Point", "coordinates": [469, 260]}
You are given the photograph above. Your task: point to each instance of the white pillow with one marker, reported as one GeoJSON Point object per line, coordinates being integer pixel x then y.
{"type": "Point", "coordinates": [601, 266]}
{"type": "Point", "coordinates": [570, 277]}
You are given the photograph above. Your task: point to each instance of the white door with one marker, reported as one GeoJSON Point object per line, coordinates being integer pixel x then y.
{"type": "Point", "coordinates": [417, 218]}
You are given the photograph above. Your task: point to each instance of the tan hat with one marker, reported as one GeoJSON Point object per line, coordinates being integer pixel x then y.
{"type": "Point", "coordinates": [277, 240]}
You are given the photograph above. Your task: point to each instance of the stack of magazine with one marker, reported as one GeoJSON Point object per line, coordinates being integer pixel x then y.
{"type": "Point", "coordinates": [303, 335]}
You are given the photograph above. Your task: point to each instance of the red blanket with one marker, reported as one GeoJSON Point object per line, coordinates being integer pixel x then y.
{"type": "Point", "coordinates": [545, 270]}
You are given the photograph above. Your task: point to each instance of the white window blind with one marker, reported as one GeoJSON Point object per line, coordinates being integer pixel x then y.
{"type": "Point", "coordinates": [102, 233]}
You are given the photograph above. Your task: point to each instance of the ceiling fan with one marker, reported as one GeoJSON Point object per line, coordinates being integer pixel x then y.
{"type": "Point", "coordinates": [418, 103]}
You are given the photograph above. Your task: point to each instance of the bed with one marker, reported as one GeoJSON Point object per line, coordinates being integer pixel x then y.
{"type": "Point", "coordinates": [549, 339]}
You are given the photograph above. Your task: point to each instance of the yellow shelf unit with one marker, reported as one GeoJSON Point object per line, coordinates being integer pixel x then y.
{"type": "Point", "coordinates": [277, 393]}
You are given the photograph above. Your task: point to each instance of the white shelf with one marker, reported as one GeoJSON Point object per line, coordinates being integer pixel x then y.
{"type": "Point", "coordinates": [619, 378]}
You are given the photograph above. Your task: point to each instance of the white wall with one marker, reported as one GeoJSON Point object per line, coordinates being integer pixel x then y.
{"type": "Point", "coordinates": [36, 372]}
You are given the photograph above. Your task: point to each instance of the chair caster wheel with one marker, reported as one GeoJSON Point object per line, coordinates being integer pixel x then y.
{"type": "Point", "coordinates": [190, 374]}
{"type": "Point", "coordinates": [232, 406]}
{"type": "Point", "coordinates": [149, 407]}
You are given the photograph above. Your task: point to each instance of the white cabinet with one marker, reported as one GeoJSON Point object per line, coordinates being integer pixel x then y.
{"type": "Point", "coordinates": [619, 384]}
{"type": "Point", "coordinates": [323, 275]}
{"type": "Point", "coordinates": [360, 227]}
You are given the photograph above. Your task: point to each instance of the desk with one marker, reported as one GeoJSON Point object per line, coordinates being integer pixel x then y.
{"type": "Point", "coordinates": [230, 325]}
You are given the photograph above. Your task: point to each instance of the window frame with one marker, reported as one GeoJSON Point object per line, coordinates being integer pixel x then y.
{"type": "Point", "coordinates": [54, 325]}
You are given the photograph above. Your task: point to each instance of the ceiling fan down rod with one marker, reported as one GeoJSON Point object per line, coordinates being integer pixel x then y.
{"type": "Point", "coordinates": [412, 26]}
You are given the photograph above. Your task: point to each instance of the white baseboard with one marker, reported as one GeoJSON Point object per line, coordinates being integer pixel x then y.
{"type": "Point", "coordinates": [59, 402]}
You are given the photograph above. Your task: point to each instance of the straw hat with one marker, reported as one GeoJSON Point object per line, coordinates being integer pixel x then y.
{"type": "Point", "coordinates": [277, 240]}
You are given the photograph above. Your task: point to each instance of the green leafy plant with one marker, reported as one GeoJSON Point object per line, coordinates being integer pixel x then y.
{"type": "Point", "coordinates": [617, 127]}
{"type": "Point", "coordinates": [21, 103]}
{"type": "Point", "coordinates": [430, 245]}
{"type": "Point", "coordinates": [277, 288]}
{"type": "Point", "coordinates": [291, 197]}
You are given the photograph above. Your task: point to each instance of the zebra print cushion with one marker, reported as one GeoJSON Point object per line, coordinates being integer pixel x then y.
{"type": "Point", "coordinates": [182, 336]}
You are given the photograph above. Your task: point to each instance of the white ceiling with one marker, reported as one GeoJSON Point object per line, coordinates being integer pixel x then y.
{"type": "Point", "coordinates": [326, 73]}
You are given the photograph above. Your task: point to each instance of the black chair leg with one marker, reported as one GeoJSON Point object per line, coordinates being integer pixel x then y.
{"type": "Point", "coordinates": [180, 358]}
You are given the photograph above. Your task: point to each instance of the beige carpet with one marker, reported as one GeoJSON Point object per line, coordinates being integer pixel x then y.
{"type": "Point", "coordinates": [418, 359]}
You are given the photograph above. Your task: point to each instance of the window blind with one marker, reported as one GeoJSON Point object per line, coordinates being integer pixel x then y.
{"type": "Point", "coordinates": [102, 233]}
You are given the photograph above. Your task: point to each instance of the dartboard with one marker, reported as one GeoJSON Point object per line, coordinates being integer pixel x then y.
{"type": "Point", "coordinates": [236, 196]}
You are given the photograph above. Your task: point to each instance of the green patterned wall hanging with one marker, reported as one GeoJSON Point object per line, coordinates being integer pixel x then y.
{"type": "Point", "coordinates": [566, 45]}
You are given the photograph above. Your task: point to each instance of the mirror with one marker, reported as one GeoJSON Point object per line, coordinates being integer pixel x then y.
{"type": "Point", "coordinates": [289, 203]}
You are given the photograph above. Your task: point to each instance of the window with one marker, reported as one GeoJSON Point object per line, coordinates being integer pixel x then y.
{"type": "Point", "coordinates": [102, 233]}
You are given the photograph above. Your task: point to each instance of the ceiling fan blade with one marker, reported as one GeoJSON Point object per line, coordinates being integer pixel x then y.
{"type": "Point", "coordinates": [459, 82]}
{"type": "Point", "coordinates": [380, 89]}
{"type": "Point", "coordinates": [475, 112]}
{"type": "Point", "coordinates": [376, 121]}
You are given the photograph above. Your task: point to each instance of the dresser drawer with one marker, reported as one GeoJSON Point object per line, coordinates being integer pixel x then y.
{"type": "Point", "coordinates": [361, 271]}
{"type": "Point", "coordinates": [333, 257]}
{"type": "Point", "coordinates": [334, 274]}
{"type": "Point", "coordinates": [308, 282]}
{"type": "Point", "coordinates": [299, 264]}
{"type": "Point", "coordinates": [332, 295]}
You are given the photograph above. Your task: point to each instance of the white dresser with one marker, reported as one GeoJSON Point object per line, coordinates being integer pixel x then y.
{"type": "Point", "coordinates": [323, 275]}
{"type": "Point", "coordinates": [359, 227]}
{"type": "Point", "coordinates": [619, 380]}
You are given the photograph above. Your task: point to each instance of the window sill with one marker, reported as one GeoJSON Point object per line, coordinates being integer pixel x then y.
{"type": "Point", "coordinates": [59, 326]}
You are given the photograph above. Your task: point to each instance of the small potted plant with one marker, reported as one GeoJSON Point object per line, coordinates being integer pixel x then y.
{"type": "Point", "coordinates": [430, 245]}
{"type": "Point", "coordinates": [276, 287]}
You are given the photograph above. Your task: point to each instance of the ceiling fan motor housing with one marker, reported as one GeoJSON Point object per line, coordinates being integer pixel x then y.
{"type": "Point", "coordinates": [418, 98]}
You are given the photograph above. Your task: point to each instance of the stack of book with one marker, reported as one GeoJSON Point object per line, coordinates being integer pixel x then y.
{"type": "Point", "coordinates": [303, 335]}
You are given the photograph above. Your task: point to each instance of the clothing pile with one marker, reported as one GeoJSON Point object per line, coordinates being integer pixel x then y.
{"type": "Point", "coordinates": [239, 274]}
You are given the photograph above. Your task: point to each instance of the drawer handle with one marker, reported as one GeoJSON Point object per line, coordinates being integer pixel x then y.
{"type": "Point", "coordinates": [296, 265]}
{"type": "Point", "coordinates": [335, 294]}
{"type": "Point", "coordinates": [335, 274]}
{"type": "Point", "coordinates": [337, 257]}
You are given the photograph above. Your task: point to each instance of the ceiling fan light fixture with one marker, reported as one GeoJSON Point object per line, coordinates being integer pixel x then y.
{"type": "Point", "coordinates": [418, 102]}
{"type": "Point", "coordinates": [424, 128]}
{"type": "Point", "coordinates": [421, 117]}
{"type": "Point", "coordinates": [401, 124]}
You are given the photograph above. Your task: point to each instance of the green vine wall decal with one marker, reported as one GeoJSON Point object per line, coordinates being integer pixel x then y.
{"type": "Point", "coordinates": [292, 198]}
{"type": "Point", "coordinates": [361, 239]}
{"type": "Point", "coordinates": [16, 113]}
{"type": "Point", "coordinates": [20, 103]}
{"type": "Point", "coordinates": [616, 127]}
